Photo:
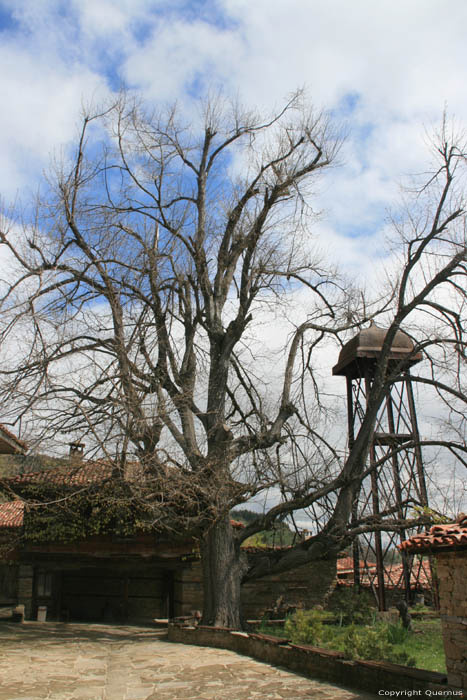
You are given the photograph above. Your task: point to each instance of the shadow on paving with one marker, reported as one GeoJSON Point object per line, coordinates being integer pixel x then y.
{"type": "Point", "coordinates": [56, 632]}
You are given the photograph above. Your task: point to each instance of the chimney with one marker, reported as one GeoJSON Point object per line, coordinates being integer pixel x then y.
{"type": "Point", "coordinates": [76, 449]}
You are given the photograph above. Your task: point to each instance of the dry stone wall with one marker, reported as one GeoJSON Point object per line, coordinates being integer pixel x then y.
{"type": "Point", "coordinates": [305, 586]}
{"type": "Point", "coordinates": [452, 575]}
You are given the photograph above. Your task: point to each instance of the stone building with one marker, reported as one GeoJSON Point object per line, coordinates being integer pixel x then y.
{"type": "Point", "coordinates": [82, 571]}
{"type": "Point", "coordinates": [12, 453]}
{"type": "Point", "coordinates": [10, 444]}
{"type": "Point", "coordinates": [448, 544]}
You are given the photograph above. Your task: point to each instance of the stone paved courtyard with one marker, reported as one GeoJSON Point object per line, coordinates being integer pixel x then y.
{"type": "Point", "coordinates": [103, 662]}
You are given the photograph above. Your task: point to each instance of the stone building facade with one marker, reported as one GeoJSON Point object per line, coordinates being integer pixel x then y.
{"type": "Point", "coordinates": [114, 576]}
{"type": "Point", "coordinates": [136, 579]}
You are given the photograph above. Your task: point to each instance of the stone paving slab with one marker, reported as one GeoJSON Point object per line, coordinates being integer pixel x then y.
{"type": "Point", "coordinates": [62, 661]}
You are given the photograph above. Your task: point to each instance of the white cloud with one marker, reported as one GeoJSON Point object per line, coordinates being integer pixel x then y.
{"type": "Point", "coordinates": [106, 17]}
{"type": "Point", "coordinates": [389, 67]}
{"type": "Point", "coordinates": [179, 54]}
{"type": "Point", "coordinates": [42, 93]}
{"type": "Point", "coordinates": [401, 61]}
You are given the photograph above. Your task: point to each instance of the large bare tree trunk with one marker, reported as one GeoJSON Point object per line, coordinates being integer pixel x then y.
{"type": "Point", "coordinates": [223, 564]}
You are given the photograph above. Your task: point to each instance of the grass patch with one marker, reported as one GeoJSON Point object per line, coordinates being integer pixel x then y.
{"type": "Point", "coordinates": [423, 645]}
{"type": "Point", "coordinates": [272, 630]}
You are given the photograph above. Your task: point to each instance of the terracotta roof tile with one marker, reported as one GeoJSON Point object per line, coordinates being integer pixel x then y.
{"type": "Point", "coordinates": [70, 474]}
{"type": "Point", "coordinates": [237, 524]}
{"type": "Point", "coordinates": [82, 474]}
{"type": "Point", "coordinates": [393, 576]}
{"type": "Point", "coordinates": [11, 514]}
{"type": "Point", "coordinates": [439, 537]}
{"type": "Point", "coordinates": [345, 565]}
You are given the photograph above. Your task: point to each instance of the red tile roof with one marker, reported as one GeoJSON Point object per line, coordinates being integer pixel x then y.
{"type": "Point", "coordinates": [237, 524]}
{"type": "Point", "coordinates": [345, 565]}
{"type": "Point", "coordinates": [11, 514]}
{"type": "Point", "coordinates": [81, 474]}
{"type": "Point", "coordinates": [71, 474]}
{"type": "Point", "coordinates": [393, 574]}
{"type": "Point", "coordinates": [439, 537]}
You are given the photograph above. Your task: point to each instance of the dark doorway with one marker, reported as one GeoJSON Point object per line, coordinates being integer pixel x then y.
{"type": "Point", "coordinates": [168, 596]}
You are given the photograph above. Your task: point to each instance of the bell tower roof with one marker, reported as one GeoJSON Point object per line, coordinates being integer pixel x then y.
{"type": "Point", "coordinates": [364, 349]}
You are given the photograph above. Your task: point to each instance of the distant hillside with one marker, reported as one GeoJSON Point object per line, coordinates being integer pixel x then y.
{"type": "Point", "coordinates": [279, 536]}
{"type": "Point", "coordinates": [244, 515]}
{"type": "Point", "coordinates": [11, 465]}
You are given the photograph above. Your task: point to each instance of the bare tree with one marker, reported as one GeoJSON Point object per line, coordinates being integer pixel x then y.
{"type": "Point", "coordinates": [135, 300]}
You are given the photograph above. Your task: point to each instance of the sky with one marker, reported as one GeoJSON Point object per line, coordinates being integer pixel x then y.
{"type": "Point", "coordinates": [387, 69]}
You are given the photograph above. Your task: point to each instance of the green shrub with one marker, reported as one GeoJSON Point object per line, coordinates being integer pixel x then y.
{"type": "Point", "coordinates": [397, 634]}
{"type": "Point", "coordinates": [373, 643]}
{"type": "Point", "coordinates": [307, 626]}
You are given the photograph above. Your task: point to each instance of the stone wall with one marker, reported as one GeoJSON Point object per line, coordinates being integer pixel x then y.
{"type": "Point", "coordinates": [308, 586]}
{"type": "Point", "coordinates": [452, 575]}
{"type": "Point", "coordinates": [188, 589]}
{"type": "Point", "coordinates": [305, 586]}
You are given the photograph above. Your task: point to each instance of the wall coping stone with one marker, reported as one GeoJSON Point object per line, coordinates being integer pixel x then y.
{"type": "Point", "coordinates": [268, 638]}
{"type": "Point", "coordinates": [332, 653]}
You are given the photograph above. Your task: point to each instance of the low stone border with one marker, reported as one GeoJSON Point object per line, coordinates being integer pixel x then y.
{"type": "Point", "coordinates": [328, 665]}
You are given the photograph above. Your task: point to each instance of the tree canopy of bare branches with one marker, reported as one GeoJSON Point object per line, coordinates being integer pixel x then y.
{"type": "Point", "coordinates": [136, 291]}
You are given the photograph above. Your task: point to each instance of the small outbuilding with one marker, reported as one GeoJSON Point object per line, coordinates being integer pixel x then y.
{"type": "Point", "coordinates": [448, 544]}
